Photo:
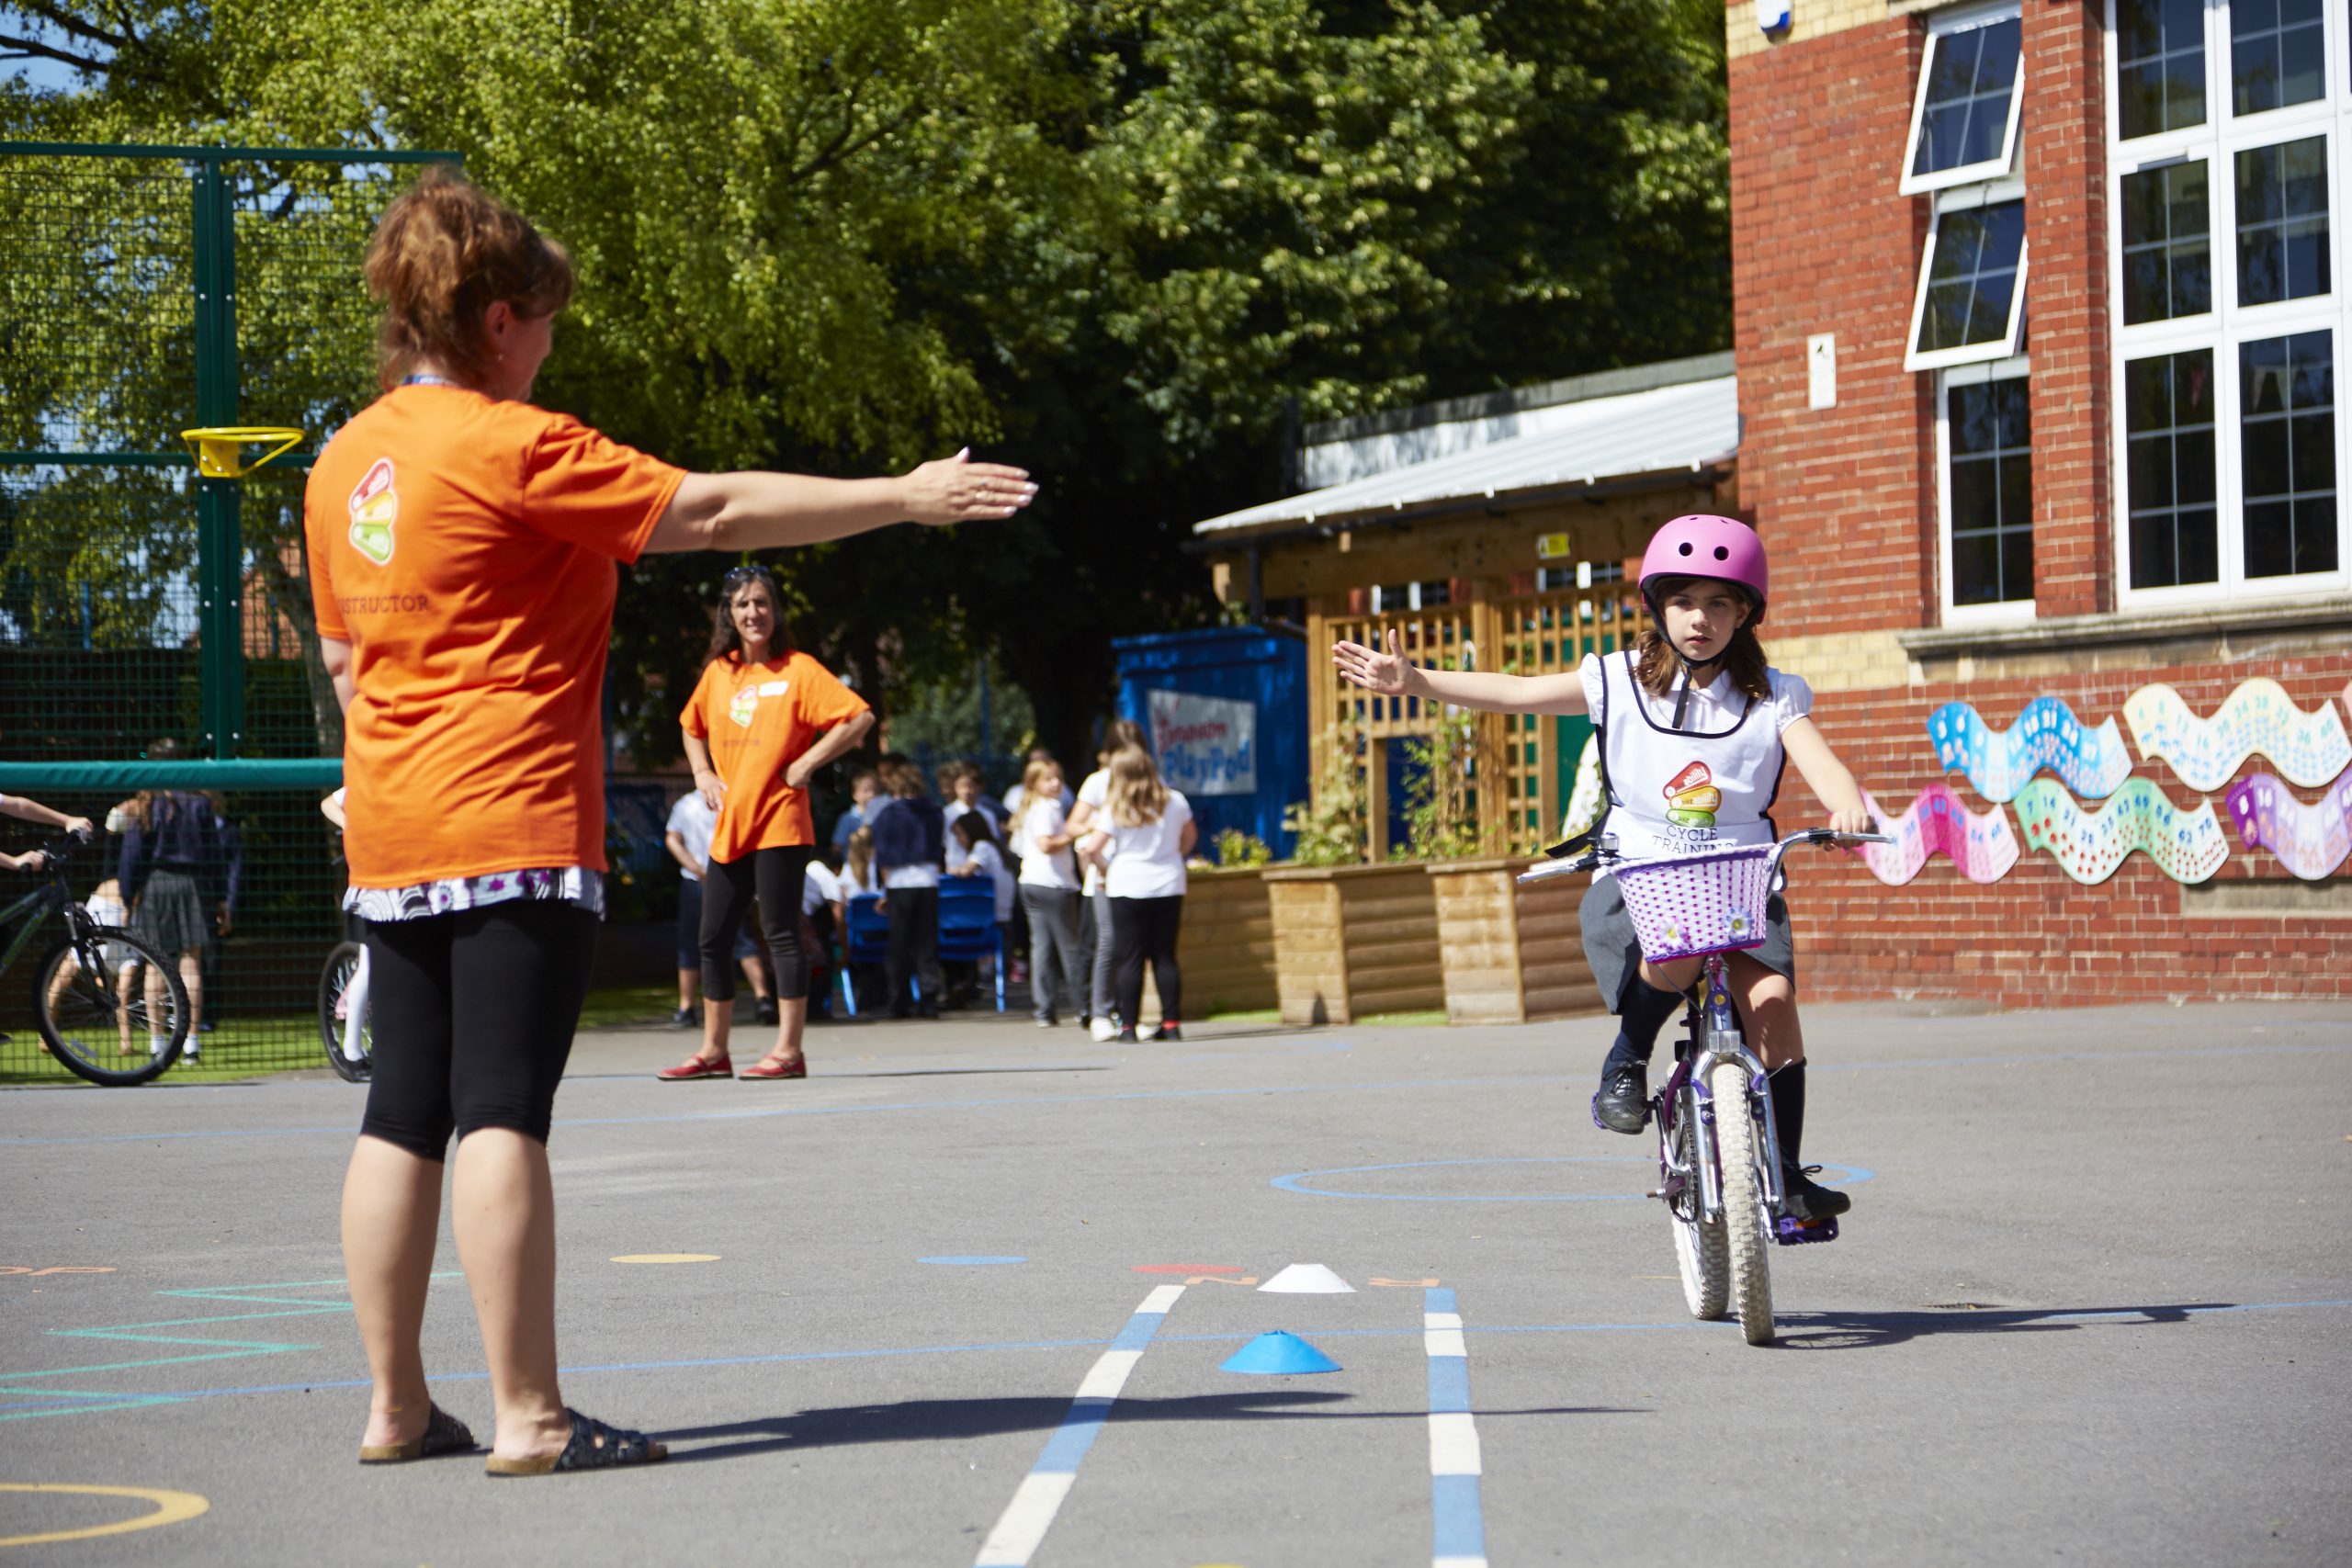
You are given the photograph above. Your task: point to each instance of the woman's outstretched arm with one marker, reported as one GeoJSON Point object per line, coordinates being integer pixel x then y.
{"type": "Point", "coordinates": [754, 510]}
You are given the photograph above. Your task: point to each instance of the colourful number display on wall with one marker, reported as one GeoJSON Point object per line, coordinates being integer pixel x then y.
{"type": "Point", "coordinates": [2092, 763]}
{"type": "Point", "coordinates": [2310, 749]}
{"type": "Point", "coordinates": [2310, 840]}
{"type": "Point", "coordinates": [2187, 845]}
{"type": "Point", "coordinates": [1980, 846]}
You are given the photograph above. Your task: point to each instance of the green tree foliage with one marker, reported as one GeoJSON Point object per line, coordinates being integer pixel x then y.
{"type": "Point", "coordinates": [1103, 238]}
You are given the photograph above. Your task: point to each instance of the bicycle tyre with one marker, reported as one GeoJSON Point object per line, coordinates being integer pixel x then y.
{"type": "Point", "coordinates": [332, 979]}
{"type": "Point", "coordinates": [1700, 1254]}
{"type": "Point", "coordinates": [1743, 1218]}
{"type": "Point", "coordinates": [102, 954]}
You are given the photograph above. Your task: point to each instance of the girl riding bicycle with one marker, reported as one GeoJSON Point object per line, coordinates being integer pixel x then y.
{"type": "Point", "coordinates": [1695, 728]}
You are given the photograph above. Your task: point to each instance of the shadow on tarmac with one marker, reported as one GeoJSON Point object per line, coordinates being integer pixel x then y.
{"type": "Point", "coordinates": [978, 1072]}
{"type": "Point", "coordinates": [1870, 1330]}
{"type": "Point", "coordinates": [945, 1420]}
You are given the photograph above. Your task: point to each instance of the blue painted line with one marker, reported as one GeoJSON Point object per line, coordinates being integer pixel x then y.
{"type": "Point", "coordinates": [1457, 1513]}
{"type": "Point", "coordinates": [1296, 1181]}
{"type": "Point", "coordinates": [346, 1130]}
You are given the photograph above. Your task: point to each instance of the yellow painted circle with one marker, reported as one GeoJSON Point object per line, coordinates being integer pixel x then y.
{"type": "Point", "coordinates": [667, 1258]}
{"type": "Point", "coordinates": [171, 1507]}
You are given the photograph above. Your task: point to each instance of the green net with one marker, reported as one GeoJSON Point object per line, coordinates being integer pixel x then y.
{"type": "Point", "coordinates": [147, 616]}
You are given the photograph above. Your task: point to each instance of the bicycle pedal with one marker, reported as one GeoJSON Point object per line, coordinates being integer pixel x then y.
{"type": "Point", "coordinates": [1790, 1232]}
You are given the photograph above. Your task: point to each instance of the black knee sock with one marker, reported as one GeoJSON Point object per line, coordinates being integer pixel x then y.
{"type": "Point", "coordinates": [1787, 1087]}
{"type": "Point", "coordinates": [1642, 1011]}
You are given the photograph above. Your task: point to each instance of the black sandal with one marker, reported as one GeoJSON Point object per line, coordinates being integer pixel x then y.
{"type": "Point", "coordinates": [442, 1434]}
{"type": "Point", "coordinates": [593, 1446]}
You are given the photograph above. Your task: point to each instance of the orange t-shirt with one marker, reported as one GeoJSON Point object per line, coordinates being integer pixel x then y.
{"type": "Point", "coordinates": [464, 546]}
{"type": "Point", "coordinates": [757, 719]}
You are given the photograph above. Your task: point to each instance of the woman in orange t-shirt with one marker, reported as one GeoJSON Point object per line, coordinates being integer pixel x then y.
{"type": "Point", "coordinates": [762, 720]}
{"type": "Point", "coordinates": [461, 546]}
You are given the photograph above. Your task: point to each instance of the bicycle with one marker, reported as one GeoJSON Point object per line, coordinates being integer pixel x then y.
{"type": "Point", "coordinates": [343, 1013]}
{"type": "Point", "coordinates": [1716, 1170]}
{"type": "Point", "coordinates": [83, 989]}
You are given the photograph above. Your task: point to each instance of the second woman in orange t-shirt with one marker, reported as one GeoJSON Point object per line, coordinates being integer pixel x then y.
{"type": "Point", "coordinates": [762, 720]}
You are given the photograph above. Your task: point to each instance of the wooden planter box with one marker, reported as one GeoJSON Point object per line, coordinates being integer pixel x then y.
{"type": "Point", "coordinates": [1511, 954]}
{"type": "Point", "coordinates": [1352, 941]}
{"type": "Point", "coordinates": [1227, 947]}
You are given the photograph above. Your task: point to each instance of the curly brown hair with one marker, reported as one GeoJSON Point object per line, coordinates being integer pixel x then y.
{"type": "Point", "coordinates": [445, 252]}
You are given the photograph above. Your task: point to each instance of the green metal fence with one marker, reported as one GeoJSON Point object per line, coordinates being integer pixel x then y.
{"type": "Point", "coordinates": [155, 626]}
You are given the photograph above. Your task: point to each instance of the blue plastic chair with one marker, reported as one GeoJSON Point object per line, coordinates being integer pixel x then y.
{"type": "Point", "coordinates": [968, 927]}
{"type": "Point", "coordinates": [867, 941]}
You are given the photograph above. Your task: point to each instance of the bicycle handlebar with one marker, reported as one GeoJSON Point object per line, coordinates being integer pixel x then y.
{"type": "Point", "coordinates": [1604, 852]}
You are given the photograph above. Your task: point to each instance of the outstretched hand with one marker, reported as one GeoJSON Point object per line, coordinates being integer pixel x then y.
{"type": "Point", "coordinates": [1389, 674]}
{"type": "Point", "coordinates": [957, 490]}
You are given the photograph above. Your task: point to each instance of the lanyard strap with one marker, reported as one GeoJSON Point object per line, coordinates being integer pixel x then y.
{"type": "Point", "coordinates": [424, 380]}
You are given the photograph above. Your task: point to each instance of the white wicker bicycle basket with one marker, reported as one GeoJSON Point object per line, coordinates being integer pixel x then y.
{"type": "Point", "coordinates": [1693, 905]}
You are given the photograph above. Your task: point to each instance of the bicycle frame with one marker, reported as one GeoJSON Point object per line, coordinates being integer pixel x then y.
{"type": "Point", "coordinates": [54, 893]}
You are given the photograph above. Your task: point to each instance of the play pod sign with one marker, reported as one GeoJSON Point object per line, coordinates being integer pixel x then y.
{"type": "Point", "coordinates": [1205, 745]}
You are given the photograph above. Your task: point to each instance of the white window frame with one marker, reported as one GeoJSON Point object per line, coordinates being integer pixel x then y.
{"type": "Point", "coordinates": [2007, 612]}
{"type": "Point", "coordinates": [1940, 26]}
{"type": "Point", "coordinates": [2228, 326]}
{"type": "Point", "coordinates": [2006, 346]}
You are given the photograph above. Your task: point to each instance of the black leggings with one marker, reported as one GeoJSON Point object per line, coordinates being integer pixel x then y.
{"type": "Point", "coordinates": [473, 1014]}
{"type": "Point", "coordinates": [777, 878]}
{"type": "Point", "coordinates": [1141, 928]}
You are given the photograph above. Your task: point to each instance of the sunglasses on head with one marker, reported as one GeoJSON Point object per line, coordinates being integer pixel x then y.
{"type": "Point", "coordinates": [738, 576]}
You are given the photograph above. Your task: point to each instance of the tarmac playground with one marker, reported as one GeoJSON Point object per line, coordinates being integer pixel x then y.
{"type": "Point", "coordinates": [964, 1296]}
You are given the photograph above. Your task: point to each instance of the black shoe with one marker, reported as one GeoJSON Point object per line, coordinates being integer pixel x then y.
{"type": "Point", "coordinates": [1807, 1200]}
{"type": "Point", "coordinates": [1126, 1037]}
{"type": "Point", "coordinates": [685, 1017]}
{"type": "Point", "coordinates": [1167, 1032]}
{"type": "Point", "coordinates": [765, 1010]}
{"type": "Point", "coordinates": [1623, 1102]}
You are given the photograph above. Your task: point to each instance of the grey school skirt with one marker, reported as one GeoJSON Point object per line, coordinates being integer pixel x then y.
{"type": "Point", "coordinates": [1610, 948]}
{"type": "Point", "coordinates": [170, 914]}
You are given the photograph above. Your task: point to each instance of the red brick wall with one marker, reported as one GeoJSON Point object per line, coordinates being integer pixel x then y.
{"type": "Point", "coordinates": [2038, 938]}
{"type": "Point", "coordinates": [1822, 242]}
{"type": "Point", "coordinates": [2064, 160]}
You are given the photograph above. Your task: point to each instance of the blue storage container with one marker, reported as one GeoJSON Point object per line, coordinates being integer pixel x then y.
{"type": "Point", "coordinates": [1226, 711]}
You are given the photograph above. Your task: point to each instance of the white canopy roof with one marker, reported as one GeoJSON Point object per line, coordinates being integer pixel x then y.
{"type": "Point", "coordinates": [1660, 431]}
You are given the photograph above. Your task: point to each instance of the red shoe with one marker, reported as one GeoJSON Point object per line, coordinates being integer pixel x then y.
{"type": "Point", "coordinates": [769, 1068]}
{"type": "Point", "coordinates": [697, 1067]}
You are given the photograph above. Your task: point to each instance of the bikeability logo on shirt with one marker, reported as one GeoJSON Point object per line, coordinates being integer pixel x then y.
{"type": "Point", "coordinates": [1691, 797]}
{"type": "Point", "coordinates": [374, 504]}
{"type": "Point", "coordinates": [747, 701]}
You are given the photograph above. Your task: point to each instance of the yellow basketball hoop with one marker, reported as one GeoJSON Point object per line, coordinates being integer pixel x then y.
{"type": "Point", "coordinates": [217, 448]}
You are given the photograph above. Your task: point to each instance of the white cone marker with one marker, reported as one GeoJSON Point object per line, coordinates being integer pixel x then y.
{"type": "Point", "coordinates": [1308, 1280]}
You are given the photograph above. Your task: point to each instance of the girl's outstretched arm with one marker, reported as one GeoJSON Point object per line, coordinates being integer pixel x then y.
{"type": "Point", "coordinates": [1391, 674]}
{"type": "Point", "coordinates": [1809, 750]}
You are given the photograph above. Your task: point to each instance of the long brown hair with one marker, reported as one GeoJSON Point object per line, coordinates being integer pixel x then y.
{"type": "Point", "coordinates": [1657, 667]}
{"type": "Point", "coordinates": [726, 642]}
{"type": "Point", "coordinates": [858, 855]}
{"type": "Point", "coordinates": [445, 252]}
{"type": "Point", "coordinates": [1118, 735]}
{"type": "Point", "coordinates": [1135, 794]}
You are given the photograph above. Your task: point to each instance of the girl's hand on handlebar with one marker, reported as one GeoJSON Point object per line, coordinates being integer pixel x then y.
{"type": "Point", "coordinates": [79, 826]}
{"type": "Point", "coordinates": [1854, 821]}
{"type": "Point", "coordinates": [1387, 674]}
{"type": "Point", "coordinates": [31, 859]}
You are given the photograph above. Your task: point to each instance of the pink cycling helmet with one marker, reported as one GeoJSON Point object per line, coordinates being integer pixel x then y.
{"type": "Point", "coordinates": [1704, 545]}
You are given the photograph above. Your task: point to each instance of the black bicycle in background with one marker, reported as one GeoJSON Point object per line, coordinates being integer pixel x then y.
{"type": "Point", "coordinates": [110, 1007]}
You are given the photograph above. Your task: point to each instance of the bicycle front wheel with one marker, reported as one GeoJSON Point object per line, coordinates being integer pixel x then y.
{"type": "Point", "coordinates": [335, 1023]}
{"type": "Point", "coordinates": [1699, 1248]}
{"type": "Point", "coordinates": [111, 1008]}
{"type": "Point", "coordinates": [1743, 1219]}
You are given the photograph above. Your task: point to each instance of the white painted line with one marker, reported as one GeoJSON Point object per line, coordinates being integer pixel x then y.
{"type": "Point", "coordinates": [1441, 1320]}
{"type": "Point", "coordinates": [1457, 1563]}
{"type": "Point", "coordinates": [1454, 1444]}
{"type": "Point", "coordinates": [1110, 1375]}
{"type": "Point", "coordinates": [1444, 1342]}
{"type": "Point", "coordinates": [1021, 1527]}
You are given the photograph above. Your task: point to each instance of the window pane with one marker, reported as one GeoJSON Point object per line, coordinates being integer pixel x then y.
{"type": "Point", "coordinates": [2276, 54]}
{"type": "Point", "coordinates": [1964, 117]}
{"type": "Point", "coordinates": [1991, 492]}
{"type": "Point", "coordinates": [2160, 60]}
{"type": "Point", "coordinates": [2168, 428]}
{"type": "Point", "coordinates": [2168, 264]}
{"type": "Point", "coordinates": [2282, 221]}
{"type": "Point", "coordinates": [1973, 277]}
{"type": "Point", "coordinates": [2287, 453]}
